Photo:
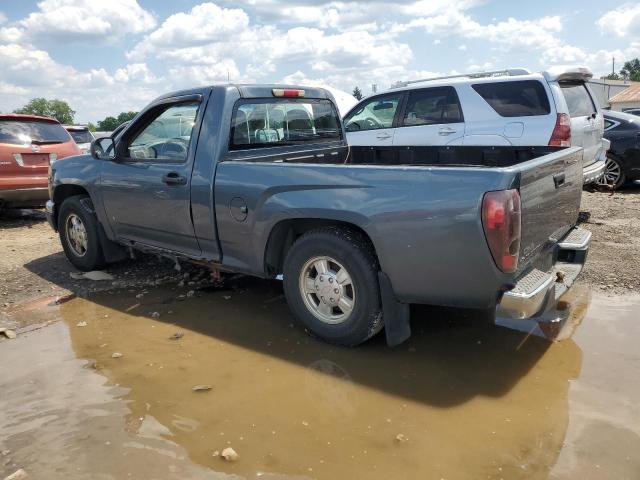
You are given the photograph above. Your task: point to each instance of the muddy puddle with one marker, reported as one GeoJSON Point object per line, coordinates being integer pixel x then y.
{"type": "Point", "coordinates": [459, 400]}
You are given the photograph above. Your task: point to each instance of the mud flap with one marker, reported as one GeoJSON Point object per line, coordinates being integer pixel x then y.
{"type": "Point", "coordinates": [394, 314]}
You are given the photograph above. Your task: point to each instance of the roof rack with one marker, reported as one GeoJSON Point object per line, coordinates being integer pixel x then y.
{"type": "Point", "coordinates": [507, 73]}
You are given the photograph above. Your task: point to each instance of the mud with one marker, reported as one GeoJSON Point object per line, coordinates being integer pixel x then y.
{"type": "Point", "coordinates": [459, 400]}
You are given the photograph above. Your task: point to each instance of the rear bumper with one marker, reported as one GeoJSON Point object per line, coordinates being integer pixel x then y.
{"type": "Point", "coordinates": [537, 292]}
{"type": "Point", "coordinates": [592, 173]}
{"type": "Point", "coordinates": [24, 197]}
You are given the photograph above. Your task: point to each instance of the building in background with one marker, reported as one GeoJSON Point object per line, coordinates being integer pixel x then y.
{"type": "Point", "coordinates": [604, 89]}
{"type": "Point", "coordinates": [627, 98]}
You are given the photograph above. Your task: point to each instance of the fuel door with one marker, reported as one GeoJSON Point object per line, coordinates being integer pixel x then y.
{"type": "Point", "coordinates": [239, 209]}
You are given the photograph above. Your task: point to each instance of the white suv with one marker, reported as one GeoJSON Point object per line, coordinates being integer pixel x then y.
{"type": "Point", "coordinates": [509, 107]}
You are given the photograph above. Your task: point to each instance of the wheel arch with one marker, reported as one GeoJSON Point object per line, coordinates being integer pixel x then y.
{"type": "Point", "coordinates": [61, 193]}
{"type": "Point", "coordinates": [284, 233]}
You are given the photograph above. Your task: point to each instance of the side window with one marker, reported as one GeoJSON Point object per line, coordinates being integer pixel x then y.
{"type": "Point", "coordinates": [525, 98]}
{"type": "Point", "coordinates": [609, 124]}
{"type": "Point", "coordinates": [578, 99]}
{"type": "Point", "coordinates": [432, 106]}
{"type": "Point", "coordinates": [167, 137]}
{"type": "Point", "coordinates": [374, 114]}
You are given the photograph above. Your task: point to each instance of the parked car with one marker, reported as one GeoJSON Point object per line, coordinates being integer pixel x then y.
{"type": "Point", "coordinates": [623, 158]}
{"type": "Point", "coordinates": [502, 108]}
{"type": "Point", "coordinates": [81, 135]}
{"type": "Point", "coordinates": [259, 180]}
{"type": "Point", "coordinates": [28, 145]}
{"type": "Point", "coordinates": [632, 111]}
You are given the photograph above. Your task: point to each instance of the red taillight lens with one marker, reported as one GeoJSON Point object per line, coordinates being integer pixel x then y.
{"type": "Point", "coordinates": [501, 223]}
{"type": "Point", "coordinates": [287, 92]}
{"type": "Point", "coordinates": [561, 136]}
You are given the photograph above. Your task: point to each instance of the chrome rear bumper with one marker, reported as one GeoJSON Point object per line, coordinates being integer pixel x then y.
{"type": "Point", "coordinates": [537, 291]}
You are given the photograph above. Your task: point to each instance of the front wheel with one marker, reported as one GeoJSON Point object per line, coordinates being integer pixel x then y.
{"type": "Point", "coordinates": [78, 229]}
{"type": "Point", "coordinates": [331, 285]}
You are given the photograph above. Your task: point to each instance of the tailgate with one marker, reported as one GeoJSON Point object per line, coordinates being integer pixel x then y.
{"type": "Point", "coordinates": [550, 192]}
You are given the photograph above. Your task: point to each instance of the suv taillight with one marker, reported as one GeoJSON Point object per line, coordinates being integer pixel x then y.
{"type": "Point", "coordinates": [501, 223]}
{"type": "Point", "coordinates": [561, 135]}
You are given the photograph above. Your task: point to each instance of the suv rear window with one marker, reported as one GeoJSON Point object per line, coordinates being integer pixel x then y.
{"type": "Point", "coordinates": [21, 132]}
{"type": "Point", "coordinates": [432, 106]}
{"type": "Point", "coordinates": [287, 121]}
{"type": "Point", "coordinates": [578, 99]}
{"type": "Point", "coordinates": [81, 136]}
{"type": "Point", "coordinates": [524, 98]}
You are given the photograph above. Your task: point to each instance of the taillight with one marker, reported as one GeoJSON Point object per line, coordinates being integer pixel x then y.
{"type": "Point", "coordinates": [561, 135]}
{"type": "Point", "coordinates": [501, 223]}
{"type": "Point", "coordinates": [287, 92]}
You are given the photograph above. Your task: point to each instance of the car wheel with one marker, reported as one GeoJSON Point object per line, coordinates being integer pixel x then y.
{"type": "Point", "coordinates": [78, 229]}
{"type": "Point", "coordinates": [613, 174]}
{"type": "Point", "coordinates": [331, 285]}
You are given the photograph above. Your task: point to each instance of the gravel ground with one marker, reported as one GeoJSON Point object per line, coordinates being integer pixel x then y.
{"type": "Point", "coordinates": [32, 264]}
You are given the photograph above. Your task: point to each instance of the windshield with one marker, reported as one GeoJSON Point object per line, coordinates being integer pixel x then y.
{"type": "Point", "coordinates": [22, 132]}
{"type": "Point", "coordinates": [81, 136]}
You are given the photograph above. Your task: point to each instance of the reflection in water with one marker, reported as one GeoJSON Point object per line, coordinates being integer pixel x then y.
{"type": "Point", "coordinates": [470, 400]}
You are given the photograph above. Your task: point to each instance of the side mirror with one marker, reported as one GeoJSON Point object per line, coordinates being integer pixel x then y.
{"type": "Point", "coordinates": [103, 148]}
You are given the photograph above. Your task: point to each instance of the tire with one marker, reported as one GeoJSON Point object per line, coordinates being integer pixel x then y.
{"type": "Point", "coordinates": [613, 174]}
{"type": "Point", "coordinates": [74, 213]}
{"type": "Point", "coordinates": [305, 286]}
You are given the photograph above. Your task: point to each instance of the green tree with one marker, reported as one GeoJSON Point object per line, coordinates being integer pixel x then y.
{"type": "Point", "coordinates": [58, 109]}
{"type": "Point", "coordinates": [631, 70]}
{"type": "Point", "coordinates": [357, 93]}
{"type": "Point", "coordinates": [111, 123]}
{"type": "Point", "coordinates": [92, 127]}
{"type": "Point", "coordinates": [612, 76]}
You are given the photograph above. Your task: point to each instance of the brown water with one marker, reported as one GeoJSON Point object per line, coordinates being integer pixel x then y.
{"type": "Point", "coordinates": [465, 399]}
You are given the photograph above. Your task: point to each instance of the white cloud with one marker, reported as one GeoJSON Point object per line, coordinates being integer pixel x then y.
{"type": "Point", "coordinates": [86, 19]}
{"type": "Point", "coordinates": [623, 21]}
{"type": "Point", "coordinates": [3, 18]}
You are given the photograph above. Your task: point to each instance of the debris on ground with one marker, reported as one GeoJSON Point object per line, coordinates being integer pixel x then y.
{"type": "Point", "coordinates": [202, 388]}
{"type": "Point", "coordinates": [155, 315]}
{"type": "Point", "coordinates": [81, 324]}
{"type": "Point", "coordinates": [229, 454]}
{"type": "Point", "coordinates": [401, 438]}
{"type": "Point", "coordinates": [116, 355]}
{"type": "Point", "coordinates": [95, 275]}
{"type": "Point", "coordinates": [10, 334]}
{"type": "Point", "coordinates": [190, 293]}
{"type": "Point", "coordinates": [176, 336]}
{"type": "Point", "coordinates": [17, 475]}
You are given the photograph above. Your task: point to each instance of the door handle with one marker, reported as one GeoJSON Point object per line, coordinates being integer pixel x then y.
{"type": "Point", "coordinates": [383, 136]}
{"type": "Point", "coordinates": [174, 178]}
{"type": "Point", "coordinates": [447, 131]}
{"type": "Point", "coordinates": [558, 179]}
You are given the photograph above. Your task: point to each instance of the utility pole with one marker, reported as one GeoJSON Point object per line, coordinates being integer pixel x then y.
{"type": "Point", "coordinates": [613, 65]}
{"type": "Point", "coordinates": [374, 87]}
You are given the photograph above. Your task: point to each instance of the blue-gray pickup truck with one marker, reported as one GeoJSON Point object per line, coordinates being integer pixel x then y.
{"type": "Point", "coordinates": [259, 179]}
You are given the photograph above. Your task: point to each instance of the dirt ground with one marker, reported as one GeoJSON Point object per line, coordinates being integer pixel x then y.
{"type": "Point", "coordinates": [100, 383]}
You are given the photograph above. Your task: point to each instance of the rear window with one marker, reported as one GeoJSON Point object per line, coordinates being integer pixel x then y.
{"type": "Point", "coordinates": [432, 106]}
{"type": "Point", "coordinates": [289, 121]}
{"type": "Point", "coordinates": [578, 99]}
{"type": "Point", "coordinates": [525, 98]}
{"type": "Point", "coordinates": [81, 136]}
{"type": "Point", "coordinates": [31, 131]}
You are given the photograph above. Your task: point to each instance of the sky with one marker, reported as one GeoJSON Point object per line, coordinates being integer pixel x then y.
{"type": "Point", "coordinates": [108, 56]}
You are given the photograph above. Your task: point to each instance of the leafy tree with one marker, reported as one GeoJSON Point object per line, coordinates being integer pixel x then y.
{"type": "Point", "coordinates": [92, 127]}
{"type": "Point", "coordinates": [357, 93]}
{"type": "Point", "coordinates": [612, 76]}
{"type": "Point", "coordinates": [631, 70]}
{"type": "Point", "coordinates": [111, 123]}
{"type": "Point", "coordinates": [58, 109]}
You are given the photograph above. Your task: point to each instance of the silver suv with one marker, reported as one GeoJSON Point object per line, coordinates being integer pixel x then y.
{"type": "Point", "coordinates": [507, 107]}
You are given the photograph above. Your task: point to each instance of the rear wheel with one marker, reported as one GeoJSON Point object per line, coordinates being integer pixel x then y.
{"type": "Point", "coordinates": [331, 285]}
{"type": "Point", "coordinates": [78, 229]}
{"type": "Point", "coordinates": [613, 174]}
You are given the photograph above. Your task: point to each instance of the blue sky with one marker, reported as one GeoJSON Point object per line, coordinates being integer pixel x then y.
{"type": "Point", "coordinates": [104, 57]}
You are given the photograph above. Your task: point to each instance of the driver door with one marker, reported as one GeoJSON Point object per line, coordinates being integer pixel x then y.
{"type": "Point", "coordinates": [371, 123]}
{"type": "Point", "coordinates": [146, 189]}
